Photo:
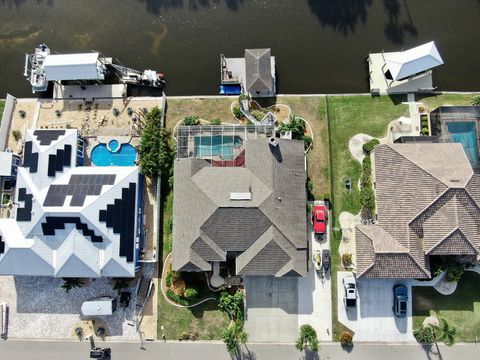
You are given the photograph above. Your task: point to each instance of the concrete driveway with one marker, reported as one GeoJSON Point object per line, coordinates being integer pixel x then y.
{"type": "Point", "coordinates": [315, 292]}
{"type": "Point", "coordinates": [373, 318]}
{"type": "Point", "coordinates": [271, 308]}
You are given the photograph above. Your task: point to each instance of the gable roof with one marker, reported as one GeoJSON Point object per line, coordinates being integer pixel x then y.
{"type": "Point", "coordinates": [272, 225]}
{"type": "Point", "coordinates": [258, 70]}
{"type": "Point", "coordinates": [424, 207]}
{"type": "Point", "coordinates": [413, 61]}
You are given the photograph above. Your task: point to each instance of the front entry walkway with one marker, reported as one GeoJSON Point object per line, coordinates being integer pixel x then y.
{"type": "Point", "coordinates": [271, 308]}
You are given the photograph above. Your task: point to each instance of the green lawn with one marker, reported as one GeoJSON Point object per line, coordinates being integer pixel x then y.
{"type": "Point", "coordinates": [2, 105]}
{"type": "Point", "coordinates": [461, 309]}
{"type": "Point", "coordinates": [348, 116]}
{"type": "Point", "coordinates": [435, 101]}
{"type": "Point", "coordinates": [206, 319]}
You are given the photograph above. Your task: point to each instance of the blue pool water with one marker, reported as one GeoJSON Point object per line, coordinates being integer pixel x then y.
{"type": "Point", "coordinates": [217, 145]}
{"type": "Point", "coordinates": [113, 145]}
{"type": "Point", "coordinates": [125, 156]}
{"type": "Point", "coordinates": [465, 133]}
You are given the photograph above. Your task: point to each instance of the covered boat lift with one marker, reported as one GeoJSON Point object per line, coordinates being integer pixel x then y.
{"type": "Point", "coordinates": [84, 66]}
{"type": "Point", "coordinates": [404, 71]}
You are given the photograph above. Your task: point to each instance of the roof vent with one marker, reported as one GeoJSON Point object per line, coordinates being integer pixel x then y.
{"type": "Point", "coordinates": [241, 196]}
{"type": "Point", "coordinates": [273, 142]}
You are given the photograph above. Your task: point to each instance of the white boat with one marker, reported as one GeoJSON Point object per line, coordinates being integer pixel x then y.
{"type": "Point", "coordinates": [35, 68]}
{"type": "Point", "coordinates": [42, 67]}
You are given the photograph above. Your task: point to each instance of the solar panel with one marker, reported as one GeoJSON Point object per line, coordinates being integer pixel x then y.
{"type": "Point", "coordinates": [27, 154]}
{"type": "Point", "coordinates": [59, 160]}
{"type": "Point", "coordinates": [34, 163]}
{"type": "Point", "coordinates": [21, 194]}
{"type": "Point", "coordinates": [77, 200]}
{"type": "Point", "coordinates": [2, 246]}
{"type": "Point", "coordinates": [68, 155]}
{"type": "Point", "coordinates": [51, 165]}
{"type": "Point", "coordinates": [25, 213]}
{"type": "Point", "coordinates": [53, 223]}
{"type": "Point", "coordinates": [45, 137]}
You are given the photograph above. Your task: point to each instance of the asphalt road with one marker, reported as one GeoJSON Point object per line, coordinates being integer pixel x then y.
{"type": "Point", "coordinates": [66, 350]}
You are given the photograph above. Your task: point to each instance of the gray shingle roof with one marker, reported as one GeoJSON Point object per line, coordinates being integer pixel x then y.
{"type": "Point", "coordinates": [258, 70]}
{"type": "Point", "coordinates": [426, 204]}
{"type": "Point", "coordinates": [207, 224]}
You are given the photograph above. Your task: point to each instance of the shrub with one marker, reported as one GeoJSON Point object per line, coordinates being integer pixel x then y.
{"type": "Point", "coordinates": [347, 259]}
{"type": "Point", "coordinates": [188, 335]}
{"type": "Point", "coordinates": [237, 112]}
{"type": "Point", "coordinates": [17, 135]}
{"type": "Point", "coordinates": [454, 271]}
{"type": "Point", "coordinates": [425, 130]}
{"type": "Point", "coordinates": [22, 113]}
{"type": "Point", "coordinates": [68, 126]}
{"type": "Point", "coordinates": [233, 304]}
{"type": "Point", "coordinates": [258, 114]}
{"type": "Point", "coordinates": [176, 298]}
{"type": "Point", "coordinates": [191, 293]}
{"type": "Point", "coordinates": [307, 339]}
{"type": "Point", "coordinates": [309, 185]}
{"type": "Point", "coordinates": [115, 111]}
{"type": "Point", "coordinates": [243, 97]}
{"type": "Point", "coordinates": [368, 146]}
{"type": "Point", "coordinates": [295, 125]}
{"type": "Point", "coordinates": [168, 279]}
{"type": "Point", "coordinates": [58, 113]}
{"type": "Point", "coordinates": [346, 338]}
{"type": "Point", "coordinates": [191, 120]}
{"type": "Point", "coordinates": [170, 223]}
{"type": "Point", "coordinates": [235, 335]}
{"type": "Point", "coordinates": [129, 111]}
{"type": "Point", "coordinates": [71, 283]}
{"type": "Point", "coordinates": [424, 335]}
{"type": "Point", "coordinates": [367, 198]}
{"type": "Point", "coordinates": [476, 100]}
{"type": "Point", "coordinates": [215, 122]}
{"type": "Point", "coordinates": [307, 140]}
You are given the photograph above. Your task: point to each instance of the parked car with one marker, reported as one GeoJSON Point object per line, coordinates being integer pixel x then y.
{"type": "Point", "coordinates": [400, 298]}
{"type": "Point", "coordinates": [326, 259]}
{"type": "Point", "coordinates": [350, 296]}
{"type": "Point", "coordinates": [320, 218]}
{"type": "Point", "coordinates": [100, 353]}
{"type": "Point", "coordinates": [317, 261]}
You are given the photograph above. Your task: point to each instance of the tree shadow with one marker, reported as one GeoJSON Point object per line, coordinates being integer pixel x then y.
{"type": "Point", "coordinates": [310, 355]}
{"type": "Point", "coordinates": [432, 351]}
{"type": "Point", "coordinates": [395, 29]}
{"type": "Point", "coordinates": [244, 354]}
{"type": "Point", "coordinates": [157, 6]}
{"type": "Point", "coordinates": [341, 15]}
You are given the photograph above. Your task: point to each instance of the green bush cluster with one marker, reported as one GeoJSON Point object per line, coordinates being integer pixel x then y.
{"type": "Point", "coordinates": [191, 120]}
{"type": "Point", "coordinates": [235, 334]}
{"type": "Point", "coordinates": [176, 298]}
{"type": "Point", "coordinates": [367, 195]}
{"type": "Point", "coordinates": [191, 293]}
{"type": "Point", "coordinates": [295, 125]}
{"type": "Point", "coordinates": [237, 112]}
{"type": "Point", "coordinates": [424, 335]}
{"type": "Point", "coordinates": [115, 111]}
{"type": "Point", "coordinates": [232, 304]}
{"type": "Point", "coordinates": [17, 135]}
{"type": "Point", "coordinates": [215, 122]}
{"type": "Point", "coordinates": [454, 269]}
{"type": "Point", "coordinates": [368, 146]}
{"type": "Point", "coordinates": [307, 339]}
{"type": "Point", "coordinates": [258, 114]}
{"type": "Point", "coordinates": [307, 140]}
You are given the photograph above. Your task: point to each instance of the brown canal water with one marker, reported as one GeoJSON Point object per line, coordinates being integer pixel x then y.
{"type": "Point", "coordinates": [320, 45]}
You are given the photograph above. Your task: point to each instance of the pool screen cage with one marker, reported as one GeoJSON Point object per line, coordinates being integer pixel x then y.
{"type": "Point", "coordinates": [221, 145]}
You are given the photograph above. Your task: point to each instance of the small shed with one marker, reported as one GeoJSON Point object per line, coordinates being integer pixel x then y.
{"type": "Point", "coordinates": [100, 306]}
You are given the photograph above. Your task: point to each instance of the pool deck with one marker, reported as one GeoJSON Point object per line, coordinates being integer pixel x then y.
{"type": "Point", "coordinates": [378, 82]}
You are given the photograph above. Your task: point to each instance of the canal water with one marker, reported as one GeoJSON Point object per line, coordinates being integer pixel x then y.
{"type": "Point", "coordinates": [320, 45]}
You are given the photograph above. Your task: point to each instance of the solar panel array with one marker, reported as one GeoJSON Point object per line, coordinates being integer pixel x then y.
{"type": "Point", "coordinates": [30, 158]}
{"type": "Point", "coordinates": [25, 213]}
{"type": "Point", "coordinates": [45, 137]}
{"type": "Point", "coordinates": [57, 161]}
{"type": "Point", "coordinates": [121, 217]}
{"type": "Point", "coordinates": [53, 223]}
{"type": "Point", "coordinates": [2, 245]}
{"type": "Point", "coordinates": [79, 187]}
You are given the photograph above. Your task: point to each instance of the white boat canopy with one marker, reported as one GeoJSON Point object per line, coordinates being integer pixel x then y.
{"type": "Point", "coordinates": [414, 61]}
{"type": "Point", "coordinates": [86, 66]}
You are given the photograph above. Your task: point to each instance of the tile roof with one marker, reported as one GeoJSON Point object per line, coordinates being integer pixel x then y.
{"type": "Point", "coordinates": [258, 70]}
{"type": "Point", "coordinates": [427, 204]}
{"type": "Point", "coordinates": [208, 224]}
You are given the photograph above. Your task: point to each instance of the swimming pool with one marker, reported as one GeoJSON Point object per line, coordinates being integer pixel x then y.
{"type": "Point", "coordinates": [217, 145]}
{"type": "Point", "coordinates": [113, 145]}
{"type": "Point", "coordinates": [465, 133]}
{"type": "Point", "coordinates": [122, 155]}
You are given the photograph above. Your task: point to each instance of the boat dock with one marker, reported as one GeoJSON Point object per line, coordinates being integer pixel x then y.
{"type": "Point", "coordinates": [89, 92]}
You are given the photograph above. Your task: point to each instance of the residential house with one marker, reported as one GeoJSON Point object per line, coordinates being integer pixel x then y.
{"type": "Point", "coordinates": [428, 204]}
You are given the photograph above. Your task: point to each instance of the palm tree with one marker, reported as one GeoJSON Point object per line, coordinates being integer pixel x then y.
{"type": "Point", "coordinates": [121, 284]}
{"type": "Point", "coordinates": [71, 283]}
{"type": "Point", "coordinates": [447, 333]}
{"type": "Point", "coordinates": [307, 339]}
{"type": "Point", "coordinates": [295, 125]}
{"type": "Point", "coordinates": [476, 100]}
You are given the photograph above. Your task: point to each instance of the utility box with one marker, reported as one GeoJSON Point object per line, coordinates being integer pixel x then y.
{"type": "Point", "coordinates": [104, 305]}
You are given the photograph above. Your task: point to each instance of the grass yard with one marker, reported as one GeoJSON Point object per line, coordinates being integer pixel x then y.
{"type": "Point", "coordinates": [206, 319]}
{"type": "Point", "coordinates": [314, 110]}
{"type": "Point", "coordinates": [349, 116]}
{"type": "Point", "coordinates": [461, 309]}
{"type": "Point", "coordinates": [435, 101]}
{"type": "Point", "coordinates": [207, 109]}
